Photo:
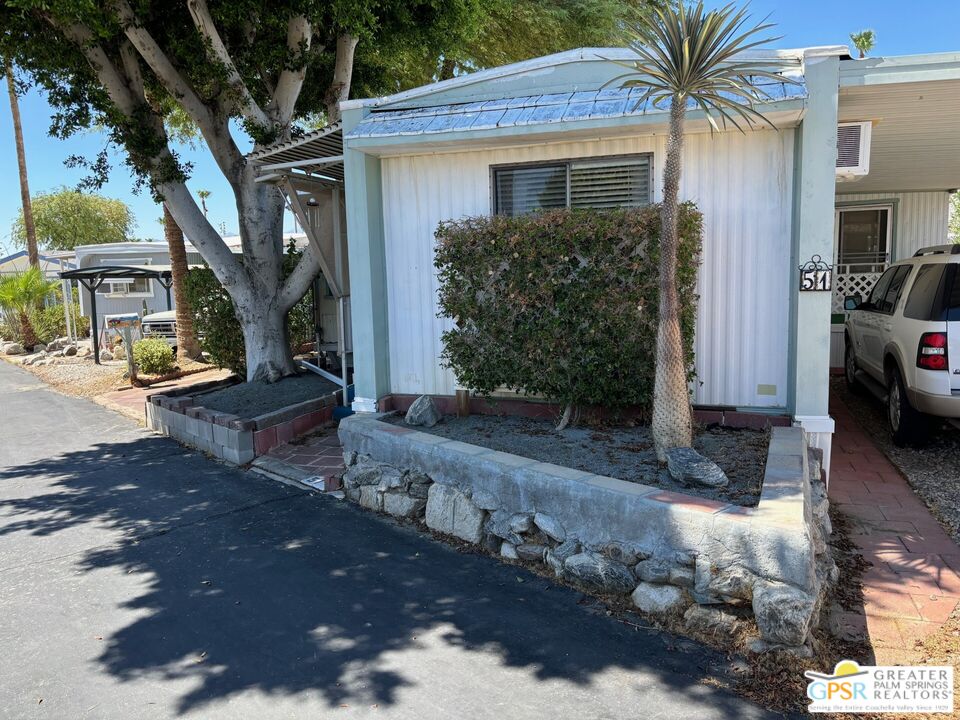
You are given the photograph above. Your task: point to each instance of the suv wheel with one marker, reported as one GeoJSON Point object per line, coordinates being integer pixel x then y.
{"type": "Point", "coordinates": [850, 370]}
{"type": "Point", "coordinates": [907, 425]}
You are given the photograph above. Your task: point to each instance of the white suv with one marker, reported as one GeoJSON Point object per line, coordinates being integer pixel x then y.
{"type": "Point", "coordinates": [903, 343]}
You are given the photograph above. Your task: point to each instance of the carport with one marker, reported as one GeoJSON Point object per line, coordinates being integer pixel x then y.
{"type": "Point", "coordinates": [93, 277]}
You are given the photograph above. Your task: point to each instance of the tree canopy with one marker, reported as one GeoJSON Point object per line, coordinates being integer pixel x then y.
{"type": "Point", "coordinates": [66, 218]}
{"type": "Point", "coordinates": [146, 70]}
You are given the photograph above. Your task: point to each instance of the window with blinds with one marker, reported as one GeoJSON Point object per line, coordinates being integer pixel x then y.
{"type": "Point", "coordinates": [602, 183]}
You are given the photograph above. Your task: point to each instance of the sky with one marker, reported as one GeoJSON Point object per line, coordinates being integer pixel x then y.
{"type": "Point", "coordinates": [901, 28]}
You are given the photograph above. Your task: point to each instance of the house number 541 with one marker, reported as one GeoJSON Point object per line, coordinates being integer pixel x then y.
{"type": "Point", "coordinates": [815, 274]}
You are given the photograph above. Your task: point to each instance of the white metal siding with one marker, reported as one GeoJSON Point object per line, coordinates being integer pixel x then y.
{"type": "Point", "coordinates": [743, 185]}
{"type": "Point", "coordinates": [921, 218]}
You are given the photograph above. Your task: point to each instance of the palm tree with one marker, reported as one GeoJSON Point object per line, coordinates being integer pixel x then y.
{"type": "Point", "coordinates": [203, 195]}
{"type": "Point", "coordinates": [687, 56]}
{"type": "Point", "coordinates": [864, 41]}
{"type": "Point", "coordinates": [31, 231]}
{"type": "Point", "coordinates": [20, 294]}
{"type": "Point", "coordinates": [188, 347]}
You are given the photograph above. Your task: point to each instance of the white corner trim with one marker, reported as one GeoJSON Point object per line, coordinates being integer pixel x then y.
{"type": "Point", "coordinates": [364, 405]}
{"type": "Point", "coordinates": [815, 423]}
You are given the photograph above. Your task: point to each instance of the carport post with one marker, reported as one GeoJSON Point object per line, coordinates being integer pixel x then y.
{"type": "Point", "coordinates": [167, 288]}
{"type": "Point", "coordinates": [92, 289]}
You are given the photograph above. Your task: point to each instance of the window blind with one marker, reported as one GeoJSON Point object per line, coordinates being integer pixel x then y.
{"type": "Point", "coordinates": [624, 182]}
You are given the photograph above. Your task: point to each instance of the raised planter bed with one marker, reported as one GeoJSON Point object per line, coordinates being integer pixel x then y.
{"type": "Point", "coordinates": [671, 551]}
{"type": "Point", "coordinates": [233, 437]}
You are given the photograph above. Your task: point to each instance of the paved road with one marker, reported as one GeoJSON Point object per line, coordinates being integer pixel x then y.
{"type": "Point", "coordinates": [140, 580]}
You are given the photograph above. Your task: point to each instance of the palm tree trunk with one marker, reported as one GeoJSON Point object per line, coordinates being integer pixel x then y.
{"type": "Point", "coordinates": [27, 333]}
{"type": "Point", "coordinates": [672, 425]}
{"type": "Point", "coordinates": [31, 231]}
{"type": "Point", "coordinates": [188, 347]}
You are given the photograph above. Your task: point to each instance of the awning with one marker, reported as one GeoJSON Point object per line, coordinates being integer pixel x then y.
{"type": "Point", "coordinates": [319, 153]}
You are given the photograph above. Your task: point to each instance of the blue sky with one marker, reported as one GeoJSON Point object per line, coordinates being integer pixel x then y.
{"type": "Point", "coordinates": [902, 29]}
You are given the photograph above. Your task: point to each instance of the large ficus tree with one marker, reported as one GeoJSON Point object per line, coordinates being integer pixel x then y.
{"type": "Point", "coordinates": [690, 57]}
{"type": "Point", "coordinates": [231, 66]}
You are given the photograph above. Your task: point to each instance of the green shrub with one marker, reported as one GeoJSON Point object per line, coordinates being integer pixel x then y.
{"type": "Point", "coordinates": [49, 322]}
{"type": "Point", "coordinates": [562, 304]}
{"type": "Point", "coordinates": [153, 356]}
{"type": "Point", "coordinates": [215, 318]}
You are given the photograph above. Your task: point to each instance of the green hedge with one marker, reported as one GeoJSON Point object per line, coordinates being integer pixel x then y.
{"type": "Point", "coordinates": [215, 320]}
{"type": "Point", "coordinates": [562, 304]}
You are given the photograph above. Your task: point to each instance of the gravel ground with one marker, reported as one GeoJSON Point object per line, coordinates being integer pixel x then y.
{"type": "Point", "coordinates": [81, 377]}
{"type": "Point", "coordinates": [251, 399]}
{"type": "Point", "coordinates": [933, 470]}
{"type": "Point", "coordinates": [621, 452]}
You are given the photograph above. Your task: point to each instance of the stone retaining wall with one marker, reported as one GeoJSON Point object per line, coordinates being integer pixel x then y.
{"type": "Point", "coordinates": [671, 551]}
{"type": "Point", "coordinates": [229, 437]}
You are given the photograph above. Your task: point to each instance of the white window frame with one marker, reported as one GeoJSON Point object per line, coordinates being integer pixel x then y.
{"type": "Point", "coordinates": [568, 162]}
{"type": "Point", "coordinates": [108, 289]}
{"type": "Point", "coordinates": [891, 219]}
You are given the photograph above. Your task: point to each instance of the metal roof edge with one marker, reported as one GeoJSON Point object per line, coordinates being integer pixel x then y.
{"type": "Point", "coordinates": [587, 54]}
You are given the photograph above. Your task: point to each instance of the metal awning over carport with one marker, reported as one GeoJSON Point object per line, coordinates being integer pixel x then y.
{"type": "Point", "coordinates": [309, 172]}
{"type": "Point", "coordinates": [93, 277]}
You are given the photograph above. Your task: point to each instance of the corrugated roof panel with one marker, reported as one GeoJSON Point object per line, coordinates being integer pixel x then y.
{"type": "Point", "coordinates": [548, 108]}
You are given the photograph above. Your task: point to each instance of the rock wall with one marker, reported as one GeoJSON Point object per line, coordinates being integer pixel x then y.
{"type": "Point", "coordinates": [672, 553]}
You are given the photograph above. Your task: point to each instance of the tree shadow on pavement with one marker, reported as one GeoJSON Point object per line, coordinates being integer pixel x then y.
{"type": "Point", "coordinates": [244, 584]}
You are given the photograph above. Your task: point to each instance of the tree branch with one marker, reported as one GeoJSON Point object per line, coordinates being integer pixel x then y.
{"type": "Point", "coordinates": [202, 235]}
{"type": "Point", "coordinates": [206, 27]}
{"type": "Point", "coordinates": [291, 79]}
{"type": "Point", "coordinates": [342, 74]}
{"type": "Point", "coordinates": [298, 282]}
{"type": "Point", "coordinates": [109, 74]}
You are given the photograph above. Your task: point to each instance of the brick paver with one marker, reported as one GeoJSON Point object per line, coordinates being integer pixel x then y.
{"type": "Point", "coordinates": [319, 454]}
{"type": "Point", "coordinates": [913, 585]}
{"type": "Point", "coordinates": [130, 401]}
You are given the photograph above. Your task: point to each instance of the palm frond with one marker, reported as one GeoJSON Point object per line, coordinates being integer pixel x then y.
{"type": "Point", "coordinates": [686, 53]}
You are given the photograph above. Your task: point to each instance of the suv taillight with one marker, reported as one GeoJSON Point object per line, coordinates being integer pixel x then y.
{"type": "Point", "coordinates": [932, 353]}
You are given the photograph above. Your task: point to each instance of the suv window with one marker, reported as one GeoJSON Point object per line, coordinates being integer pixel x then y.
{"type": "Point", "coordinates": [952, 291]}
{"type": "Point", "coordinates": [890, 298]}
{"type": "Point", "coordinates": [923, 295]}
{"type": "Point", "coordinates": [880, 289]}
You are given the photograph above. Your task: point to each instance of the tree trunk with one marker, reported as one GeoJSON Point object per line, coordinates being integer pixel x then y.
{"type": "Point", "coordinates": [342, 74]}
{"type": "Point", "coordinates": [188, 347]}
{"type": "Point", "coordinates": [267, 343]}
{"type": "Point", "coordinates": [447, 68]}
{"type": "Point", "coordinates": [672, 425]}
{"type": "Point", "coordinates": [27, 333]}
{"type": "Point", "coordinates": [32, 254]}
{"type": "Point", "coordinates": [257, 286]}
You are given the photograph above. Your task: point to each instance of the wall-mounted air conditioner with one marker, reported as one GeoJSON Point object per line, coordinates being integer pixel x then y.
{"type": "Point", "coordinates": [853, 150]}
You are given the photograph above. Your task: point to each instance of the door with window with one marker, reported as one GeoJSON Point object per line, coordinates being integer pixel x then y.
{"type": "Point", "coordinates": [863, 244]}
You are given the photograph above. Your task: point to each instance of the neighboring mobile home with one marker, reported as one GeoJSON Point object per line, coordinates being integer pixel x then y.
{"type": "Point", "coordinates": [773, 201]}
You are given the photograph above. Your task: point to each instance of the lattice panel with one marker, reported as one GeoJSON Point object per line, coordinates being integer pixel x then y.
{"type": "Point", "coordinates": [852, 284]}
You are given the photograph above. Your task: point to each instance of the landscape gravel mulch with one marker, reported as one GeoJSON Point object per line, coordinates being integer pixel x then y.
{"type": "Point", "coordinates": [621, 452]}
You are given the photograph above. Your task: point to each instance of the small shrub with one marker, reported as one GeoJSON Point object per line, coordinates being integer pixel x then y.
{"type": "Point", "coordinates": [215, 318]}
{"type": "Point", "coordinates": [562, 304]}
{"type": "Point", "coordinates": [49, 322]}
{"type": "Point", "coordinates": [153, 356]}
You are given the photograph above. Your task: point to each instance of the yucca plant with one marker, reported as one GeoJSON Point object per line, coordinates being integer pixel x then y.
{"type": "Point", "coordinates": [690, 57]}
{"type": "Point", "coordinates": [20, 294]}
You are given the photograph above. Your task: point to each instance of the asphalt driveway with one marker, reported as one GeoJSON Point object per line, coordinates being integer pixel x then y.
{"type": "Point", "coordinates": [141, 580]}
